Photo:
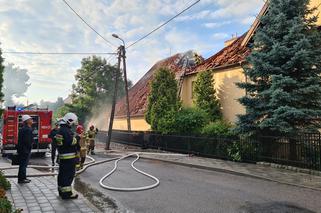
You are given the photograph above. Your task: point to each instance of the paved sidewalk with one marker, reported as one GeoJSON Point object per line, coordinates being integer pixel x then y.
{"type": "Point", "coordinates": [41, 196]}
{"type": "Point", "coordinates": [253, 170]}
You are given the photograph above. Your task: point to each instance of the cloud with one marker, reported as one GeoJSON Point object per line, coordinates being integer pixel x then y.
{"type": "Point", "coordinates": [212, 25]}
{"type": "Point", "coordinates": [50, 26]}
{"type": "Point", "coordinates": [220, 36]}
{"type": "Point", "coordinates": [224, 9]}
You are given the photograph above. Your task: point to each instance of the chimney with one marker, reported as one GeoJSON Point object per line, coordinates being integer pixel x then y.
{"type": "Point", "coordinates": [230, 41]}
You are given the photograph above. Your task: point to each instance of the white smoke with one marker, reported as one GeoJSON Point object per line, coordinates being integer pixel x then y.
{"type": "Point", "coordinates": [100, 116]}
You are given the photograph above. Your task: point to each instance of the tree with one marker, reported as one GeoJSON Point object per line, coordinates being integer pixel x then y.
{"type": "Point", "coordinates": [284, 85]}
{"type": "Point", "coordinates": [94, 86]}
{"type": "Point", "coordinates": [205, 95]}
{"type": "Point", "coordinates": [162, 100]}
{"type": "Point", "coordinates": [17, 89]}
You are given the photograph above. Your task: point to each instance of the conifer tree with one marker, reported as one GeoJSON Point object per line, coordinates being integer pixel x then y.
{"type": "Point", "coordinates": [284, 84]}
{"type": "Point", "coordinates": [162, 100]}
{"type": "Point", "coordinates": [205, 95]}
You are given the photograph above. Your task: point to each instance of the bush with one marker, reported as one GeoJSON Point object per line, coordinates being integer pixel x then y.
{"type": "Point", "coordinates": [188, 121]}
{"type": "Point", "coordinates": [2, 193]}
{"type": "Point", "coordinates": [218, 128]}
{"type": "Point", "coordinates": [5, 205]}
{"type": "Point", "coordinates": [4, 183]}
{"type": "Point", "coordinates": [235, 152]}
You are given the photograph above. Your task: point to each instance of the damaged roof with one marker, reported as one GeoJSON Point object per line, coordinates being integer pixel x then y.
{"type": "Point", "coordinates": [233, 54]}
{"type": "Point", "coordinates": [138, 94]}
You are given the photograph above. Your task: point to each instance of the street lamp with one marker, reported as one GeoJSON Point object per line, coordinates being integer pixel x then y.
{"type": "Point", "coordinates": [116, 36]}
{"type": "Point", "coordinates": [123, 55]}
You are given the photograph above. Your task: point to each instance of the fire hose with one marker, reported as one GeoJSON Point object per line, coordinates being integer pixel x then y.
{"type": "Point", "coordinates": [93, 162]}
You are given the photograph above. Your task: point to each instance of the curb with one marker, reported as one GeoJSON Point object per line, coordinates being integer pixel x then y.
{"type": "Point", "coordinates": [89, 204]}
{"type": "Point", "coordinates": [291, 168]}
{"type": "Point", "coordinates": [233, 173]}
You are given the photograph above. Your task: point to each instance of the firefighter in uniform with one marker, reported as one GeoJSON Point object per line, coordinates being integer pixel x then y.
{"type": "Point", "coordinates": [52, 136]}
{"type": "Point", "coordinates": [25, 141]}
{"type": "Point", "coordinates": [82, 145]}
{"type": "Point", "coordinates": [91, 134]}
{"type": "Point", "coordinates": [67, 149]}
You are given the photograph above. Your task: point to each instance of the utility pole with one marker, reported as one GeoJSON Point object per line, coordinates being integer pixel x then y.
{"type": "Point", "coordinates": [126, 87]}
{"type": "Point", "coordinates": [112, 113]}
{"type": "Point", "coordinates": [123, 54]}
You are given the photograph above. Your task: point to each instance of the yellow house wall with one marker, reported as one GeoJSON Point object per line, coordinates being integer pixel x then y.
{"type": "Point", "coordinates": [317, 3]}
{"type": "Point", "coordinates": [137, 124]}
{"type": "Point", "coordinates": [227, 91]}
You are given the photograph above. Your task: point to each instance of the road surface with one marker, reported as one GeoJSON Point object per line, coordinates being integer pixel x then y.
{"type": "Point", "coordinates": [184, 189]}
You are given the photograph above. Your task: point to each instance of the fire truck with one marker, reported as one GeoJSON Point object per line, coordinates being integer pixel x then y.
{"type": "Point", "coordinates": [12, 123]}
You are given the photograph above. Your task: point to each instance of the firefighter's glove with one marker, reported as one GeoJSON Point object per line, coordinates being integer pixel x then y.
{"type": "Point", "coordinates": [59, 140]}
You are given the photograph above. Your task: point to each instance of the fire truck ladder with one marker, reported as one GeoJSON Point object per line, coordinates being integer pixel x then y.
{"type": "Point", "coordinates": [10, 129]}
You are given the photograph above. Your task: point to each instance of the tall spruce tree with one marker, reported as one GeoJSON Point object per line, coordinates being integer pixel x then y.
{"type": "Point", "coordinates": [284, 84]}
{"type": "Point", "coordinates": [205, 95]}
{"type": "Point", "coordinates": [162, 100]}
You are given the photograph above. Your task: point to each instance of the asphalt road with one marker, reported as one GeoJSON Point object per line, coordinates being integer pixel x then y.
{"type": "Point", "coordinates": [184, 189]}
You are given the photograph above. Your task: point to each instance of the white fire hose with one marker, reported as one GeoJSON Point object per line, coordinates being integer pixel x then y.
{"type": "Point", "coordinates": [93, 162]}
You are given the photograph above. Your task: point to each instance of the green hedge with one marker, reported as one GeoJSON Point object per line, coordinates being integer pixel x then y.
{"type": "Point", "coordinates": [218, 128]}
{"type": "Point", "coordinates": [5, 204]}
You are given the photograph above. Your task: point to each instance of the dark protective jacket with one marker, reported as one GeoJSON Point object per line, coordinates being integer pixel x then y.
{"type": "Point", "coordinates": [52, 136]}
{"type": "Point", "coordinates": [66, 142]}
{"type": "Point", "coordinates": [25, 140]}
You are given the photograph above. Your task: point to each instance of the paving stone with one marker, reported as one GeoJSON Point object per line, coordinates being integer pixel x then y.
{"type": "Point", "coordinates": [36, 208]}
{"type": "Point", "coordinates": [32, 204]}
{"type": "Point", "coordinates": [41, 195]}
{"type": "Point", "coordinates": [47, 209]}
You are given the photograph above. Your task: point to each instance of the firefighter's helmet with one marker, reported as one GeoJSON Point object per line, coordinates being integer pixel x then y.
{"type": "Point", "coordinates": [70, 119]}
{"type": "Point", "coordinates": [80, 129]}
{"type": "Point", "coordinates": [25, 118]}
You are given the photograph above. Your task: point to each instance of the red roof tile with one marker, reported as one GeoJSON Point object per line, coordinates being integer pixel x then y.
{"type": "Point", "coordinates": [138, 94]}
{"type": "Point", "coordinates": [230, 55]}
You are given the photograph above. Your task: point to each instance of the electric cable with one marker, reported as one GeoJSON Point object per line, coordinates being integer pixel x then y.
{"type": "Point", "coordinates": [162, 25]}
{"type": "Point", "coordinates": [57, 53]}
{"type": "Point", "coordinates": [93, 29]}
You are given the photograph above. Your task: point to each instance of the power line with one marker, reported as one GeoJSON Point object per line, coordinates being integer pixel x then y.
{"type": "Point", "coordinates": [89, 25]}
{"type": "Point", "coordinates": [57, 53]}
{"type": "Point", "coordinates": [162, 25]}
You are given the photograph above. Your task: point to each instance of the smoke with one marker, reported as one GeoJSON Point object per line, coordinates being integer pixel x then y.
{"type": "Point", "coordinates": [15, 83]}
{"type": "Point", "coordinates": [100, 116]}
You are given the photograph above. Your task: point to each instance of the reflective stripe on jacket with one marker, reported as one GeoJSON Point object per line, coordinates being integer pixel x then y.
{"type": "Point", "coordinates": [66, 156]}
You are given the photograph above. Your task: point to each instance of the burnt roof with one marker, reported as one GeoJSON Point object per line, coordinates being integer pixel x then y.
{"type": "Point", "coordinates": [231, 55]}
{"type": "Point", "coordinates": [138, 94]}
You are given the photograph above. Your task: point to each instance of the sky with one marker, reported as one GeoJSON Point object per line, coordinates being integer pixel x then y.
{"type": "Point", "coordinates": [50, 26]}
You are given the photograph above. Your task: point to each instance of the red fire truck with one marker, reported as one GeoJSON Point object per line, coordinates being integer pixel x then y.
{"type": "Point", "coordinates": [12, 123]}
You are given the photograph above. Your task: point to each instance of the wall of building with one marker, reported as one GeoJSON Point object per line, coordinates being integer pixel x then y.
{"type": "Point", "coordinates": [317, 3]}
{"type": "Point", "coordinates": [137, 124]}
{"type": "Point", "coordinates": [227, 91]}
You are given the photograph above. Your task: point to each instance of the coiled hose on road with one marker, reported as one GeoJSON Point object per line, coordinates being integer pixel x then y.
{"type": "Point", "coordinates": [93, 162]}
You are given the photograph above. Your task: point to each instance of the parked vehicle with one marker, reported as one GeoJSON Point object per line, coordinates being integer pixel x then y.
{"type": "Point", "coordinates": [12, 123]}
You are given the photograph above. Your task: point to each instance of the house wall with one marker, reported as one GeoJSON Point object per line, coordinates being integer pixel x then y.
{"type": "Point", "coordinates": [137, 124]}
{"type": "Point", "coordinates": [317, 3]}
{"type": "Point", "coordinates": [227, 91]}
